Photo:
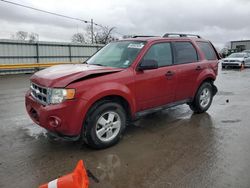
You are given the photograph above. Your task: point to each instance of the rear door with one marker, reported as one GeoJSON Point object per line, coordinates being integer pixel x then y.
{"type": "Point", "coordinates": [188, 69]}
{"type": "Point", "coordinates": [156, 87]}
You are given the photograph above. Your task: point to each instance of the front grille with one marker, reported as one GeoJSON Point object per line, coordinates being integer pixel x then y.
{"type": "Point", "coordinates": [231, 64]}
{"type": "Point", "coordinates": [230, 60]}
{"type": "Point", "coordinates": [39, 93]}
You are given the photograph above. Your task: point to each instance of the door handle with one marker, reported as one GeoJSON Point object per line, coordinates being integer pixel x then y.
{"type": "Point", "coordinates": [169, 73]}
{"type": "Point", "coordinates": [198, 68]}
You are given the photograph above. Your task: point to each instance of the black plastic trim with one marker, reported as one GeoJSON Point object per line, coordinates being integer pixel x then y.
{"type": "Point", "coordinates": [159, 108]}
{"type": "Point", "coordinates": [64, 137]}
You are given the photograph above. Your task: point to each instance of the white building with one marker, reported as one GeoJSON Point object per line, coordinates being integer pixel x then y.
{"type": "Point", "coordinates": [240, 45]}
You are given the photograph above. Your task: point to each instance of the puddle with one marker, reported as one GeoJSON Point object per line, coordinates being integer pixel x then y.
{"type": "Point", "coordinates": [35, 132]}
{"type": "Point", "coordinates": [107, 166]}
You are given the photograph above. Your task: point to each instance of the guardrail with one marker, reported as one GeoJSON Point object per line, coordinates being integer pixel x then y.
{"type": "Point", "coordinates": [28, 66]}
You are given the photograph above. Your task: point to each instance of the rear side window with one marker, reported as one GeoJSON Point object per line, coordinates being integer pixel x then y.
{"type": "Point", "coordinates": [185, 53]}
{"type": "Point", "coordinates": [208, 50]}
{"type": "Point", "coordinates": [161, 53]}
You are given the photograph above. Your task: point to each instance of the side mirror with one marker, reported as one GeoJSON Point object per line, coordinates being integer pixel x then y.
{"type": "Point", "coordinates": [147, 65]}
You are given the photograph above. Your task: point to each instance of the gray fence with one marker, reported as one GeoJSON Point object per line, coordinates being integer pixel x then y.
{"type": "Point", "coordinates": [14, 52]}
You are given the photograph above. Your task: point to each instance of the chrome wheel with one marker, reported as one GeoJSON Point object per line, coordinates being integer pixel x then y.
{"type": "Point", "coordinates": [205, 97]}
{"type": "Point", "coordinates": [108, 126]}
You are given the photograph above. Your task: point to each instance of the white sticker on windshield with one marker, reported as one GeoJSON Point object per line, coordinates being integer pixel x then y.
{"type": "Point", "coordinates": [138, 46]}
{"type": "Point", "coordinates": [126, 62]}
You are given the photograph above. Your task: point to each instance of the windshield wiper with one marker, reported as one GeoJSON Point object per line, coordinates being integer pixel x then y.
{"type": "Point", "coordinates": [98, 64]}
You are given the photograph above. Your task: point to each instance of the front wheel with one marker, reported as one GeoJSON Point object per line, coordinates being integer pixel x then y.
{"type": "Point", "coordinates": [105, 125]}
{"type": "Point", "coordinates": [203, 98]}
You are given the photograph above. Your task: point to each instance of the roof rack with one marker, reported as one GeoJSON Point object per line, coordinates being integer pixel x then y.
{"type": "Point", "coordinates": [138, 36]}
{"type": "Point", "coordinates": [181, 35]}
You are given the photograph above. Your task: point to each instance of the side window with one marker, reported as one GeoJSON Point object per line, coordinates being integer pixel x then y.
{"type": "Point", "coordinates": [161, 53]}
{"type": "Point", "coordinates": [208, 50]}
{"type": "Point", "coordinates": [185, 53]}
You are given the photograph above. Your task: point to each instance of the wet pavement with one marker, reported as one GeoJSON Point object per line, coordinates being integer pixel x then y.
{"type": "Point", "coordinates": [173, 148]}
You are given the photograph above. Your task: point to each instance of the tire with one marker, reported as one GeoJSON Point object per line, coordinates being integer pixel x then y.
{"type": "Point", "coordinates": [203, 98]}
{"type": "Point", "coordinates": [104, 125]}
{"type": "Point", "coordinates": [223, 66]}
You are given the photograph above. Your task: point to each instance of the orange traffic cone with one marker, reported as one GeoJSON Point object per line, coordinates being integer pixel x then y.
{"type": "Point", "coordinates": [242, 66]}
{"type": "Point", "coordinates": [77, 179]}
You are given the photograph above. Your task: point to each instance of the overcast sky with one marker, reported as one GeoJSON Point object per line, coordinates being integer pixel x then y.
{"type": "Point", "coordinates": [217, 20]}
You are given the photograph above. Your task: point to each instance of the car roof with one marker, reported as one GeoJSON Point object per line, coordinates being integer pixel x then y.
{"type": "Point", "coordinates": [151, 39]}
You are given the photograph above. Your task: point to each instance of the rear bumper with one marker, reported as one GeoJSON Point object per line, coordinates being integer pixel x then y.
{"type": "Point", "coordinates": [62, 119]}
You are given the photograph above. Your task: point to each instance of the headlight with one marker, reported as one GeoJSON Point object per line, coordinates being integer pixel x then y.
{"type": "Point", "coordinates": [60, 95]}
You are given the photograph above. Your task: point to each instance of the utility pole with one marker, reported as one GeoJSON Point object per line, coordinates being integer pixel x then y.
{"type": "Point", "coordinates": [92, 32]}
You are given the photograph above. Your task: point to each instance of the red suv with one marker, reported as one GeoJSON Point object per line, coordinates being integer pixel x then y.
{"type": "Point", "coordinates": [123, 81]}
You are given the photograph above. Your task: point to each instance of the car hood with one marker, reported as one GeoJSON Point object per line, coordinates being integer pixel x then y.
{"type": "Point", "coordinates": [63, 75]}
{"type": "Point", "coordinates": [234, 59]}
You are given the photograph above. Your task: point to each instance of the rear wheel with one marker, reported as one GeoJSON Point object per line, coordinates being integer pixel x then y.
{"type": "Point", "coordinates": [203, 98]}
{"type": "Point", "coordinates": [105, 125]}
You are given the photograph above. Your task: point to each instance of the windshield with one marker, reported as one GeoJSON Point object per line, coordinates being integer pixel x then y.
{"type": "Point", "coordinates": [237, 55]}
{"type": "Point", "coordinates": [117, 54]}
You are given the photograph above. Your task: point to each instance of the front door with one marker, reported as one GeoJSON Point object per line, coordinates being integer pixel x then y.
{"type": "Point", "coordinates": [156, 87]}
